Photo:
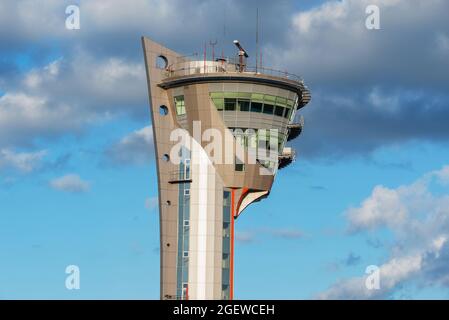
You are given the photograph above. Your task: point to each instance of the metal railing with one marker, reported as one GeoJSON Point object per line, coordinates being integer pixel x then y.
{"type": "Point", "coordinates": [209, 67]}
{"type": "Point", "coordinates": [178, 176]}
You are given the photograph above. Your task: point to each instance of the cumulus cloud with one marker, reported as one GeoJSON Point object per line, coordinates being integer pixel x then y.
{"type": "Point", "coordinates": [384, 207]}
{"type": "Point", "coordinates": [24, 162]}
{"type": "Point", "coordinates": [70, 183]}
{"type": "Point", "coordinates": [134, 148]}
{"type": "Point", "coordinates": [418, 219]}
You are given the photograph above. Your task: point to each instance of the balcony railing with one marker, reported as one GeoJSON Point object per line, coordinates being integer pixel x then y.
{"type": "Point", "coordinates": [211, 67]}
{"type": "Point", "coordinates": [179, 176]}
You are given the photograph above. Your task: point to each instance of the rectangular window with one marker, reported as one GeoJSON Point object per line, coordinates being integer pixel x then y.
{"type": "Point", "coordinates": [226, 229]}
{"type": "Point", "coordinates": [185, 254]}
{"type": "Point", "coordinates": [229, 104]}
{"type": "Point", "coordinates": [256, 107]}
{"type": "Point", "coordinates": [239, 167]}
{"type": "Point", "coordinates": [279, 111]}
{"type": "Point", "coordinates": [243, 105]}
{"type": "Point", "coordinates": [288, 113]}
{"type": "Point", "coordinates": [179, 104]}
{"type": "Point", "coordinates": [268, 108]}
{"type": "Point", "coordinates": [187, 192]}
{"type": "Point", "coordinates": [187, 169]}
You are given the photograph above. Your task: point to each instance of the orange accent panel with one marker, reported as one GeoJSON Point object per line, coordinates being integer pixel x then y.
{"type": "Point", "coordinates": [231, 261]}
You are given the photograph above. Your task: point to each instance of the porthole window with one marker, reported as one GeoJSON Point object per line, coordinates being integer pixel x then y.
{"type": "Point", "coordinates": [166, 157]}
{"type": "Point", "coordinates": [161, 62]}
{"type": "Point", "coordinates": [163, 110]}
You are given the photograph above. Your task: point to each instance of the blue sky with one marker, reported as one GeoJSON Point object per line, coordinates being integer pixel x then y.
{"type": "Point", "coordinates": [369, 186]}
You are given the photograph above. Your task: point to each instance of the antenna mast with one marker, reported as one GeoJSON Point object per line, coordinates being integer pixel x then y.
{"type": "Point", "coordinates": [257, 39]}
{"type": "Point", "coordinates": [213, 44]}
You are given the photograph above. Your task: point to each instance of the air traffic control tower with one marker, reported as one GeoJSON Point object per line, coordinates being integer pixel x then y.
{"type": "Point", "coordinates": [202, 192]}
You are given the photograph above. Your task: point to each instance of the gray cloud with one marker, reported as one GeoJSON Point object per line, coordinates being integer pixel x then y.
{"type": "Point", "coordinates": [331, 46]}
{"type": "Point", "coordinates": [338, 125]}
{"type": "Point", "coordinates": [370, 88]}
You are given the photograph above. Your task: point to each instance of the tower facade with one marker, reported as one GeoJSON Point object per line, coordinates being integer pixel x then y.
{"type": "Point", "coordinates": [220, 131]}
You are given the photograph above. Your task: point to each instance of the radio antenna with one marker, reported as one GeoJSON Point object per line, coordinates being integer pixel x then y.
{"type": "Point", "coordinates": [257, 39]}
{"type": "Point", "coordinates": [213, 44]}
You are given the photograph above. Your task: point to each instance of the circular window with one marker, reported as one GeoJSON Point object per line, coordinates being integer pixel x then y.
{"type": "Point", "coordinates": [161, 62]}
{"type": "Point", "coordinates": [166, 157]}
{"type": "Point", "coordinates": [168, 203]}
{"type": "Point", "coordinates": [163, 110]}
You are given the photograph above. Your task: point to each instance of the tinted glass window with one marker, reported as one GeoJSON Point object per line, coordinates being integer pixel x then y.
{"type": "Point", "coordinates": [256, 107]}
{"type": "Point", "coordinates": [268, 108]}
{"type": "Point", "coordinates": [243, 105]}
{"type": "Point", "coordinates": [229, 104]}
{"type": "Point", "coordinates": [279, 111]}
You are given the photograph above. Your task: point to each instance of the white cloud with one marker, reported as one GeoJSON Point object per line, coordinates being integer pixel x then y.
{"type": "Point", "coordinates": [22, 161]}
{"type": "Point", "coordinates": [384, 207]}
{"type": "Point", "coordinates": [70, 183]}
{"type": "Point", "coordinates": [419, 222]}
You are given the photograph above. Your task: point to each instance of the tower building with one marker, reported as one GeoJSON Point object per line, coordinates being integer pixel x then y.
{"type": "Point", "coordinates": [211, 119]}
